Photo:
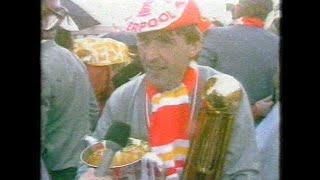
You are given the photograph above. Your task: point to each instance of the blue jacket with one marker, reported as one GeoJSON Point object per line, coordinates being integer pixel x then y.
{"type": "Point", "coordinates": [249, 54]}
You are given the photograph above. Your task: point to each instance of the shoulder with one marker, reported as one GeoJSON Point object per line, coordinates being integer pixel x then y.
{"type": "Point", "coordinates": [219, 35]}
{"type": "Point", "coordinates": [52, 51]}
{"type": "Point", "coordinates": [206, 72]}
{"type": "Point", "coordinates": [213, 33]}
{"type": "Point", "coordinates": [221, 31]}
{"type": "Point", "coordinates": [52, 47]}
{"type": "Point", "coordinates": [53, 55]}
{"type": "Point", "coordinates": [273, 38]}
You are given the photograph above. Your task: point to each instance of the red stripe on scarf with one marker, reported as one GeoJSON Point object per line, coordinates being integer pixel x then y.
{"type": "Point", "coordinates": [170, 122]}
{"type": "Point", "coordinates": [251, 22]}
{"type": "Point", "coordinates": [180, 163]}
{"type": "Point", "coordinates": [170, 171]}
{"type": "Point", "coordinates": [173, 170]}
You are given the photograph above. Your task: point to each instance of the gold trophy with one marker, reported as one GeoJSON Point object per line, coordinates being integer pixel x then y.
{"type": "Point", "coordinates": [213, 128]}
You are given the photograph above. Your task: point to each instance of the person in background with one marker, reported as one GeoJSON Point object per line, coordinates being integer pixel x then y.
{"type": "Point", "coordinates": [130, 71]}
{"type": "Point", "coordinates": [158, 104]}
{"type": "Point", "coordinates": [69, 109]}
{"type": "Point", "coordinates": [100, 79]}
{"type": "Point", "coordinates": [268, 139]}
{"type": "Point", "coordinates": [275, 26]}
{"type": "Point", "coordinates": [134, 68]}
{"type": "Point", "coordinates": [64, 38]}
{"type": "Point", "coordinates": [273, 20]}
{"type": "Point", "coordinates": [246, 51]}
{"type": "Point", "coordinates": [103, 58]}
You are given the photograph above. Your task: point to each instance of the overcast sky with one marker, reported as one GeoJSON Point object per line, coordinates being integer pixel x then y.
{"type": "Point", "coordinates": [110, 12]}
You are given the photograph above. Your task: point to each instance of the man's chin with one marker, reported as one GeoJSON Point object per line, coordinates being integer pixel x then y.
{"type": "Point", "coordinates": [157, 81]}
{"type": "Point", "coordinates": [161, 84]}
{"type": "Point", "coordinates": [155, 76]}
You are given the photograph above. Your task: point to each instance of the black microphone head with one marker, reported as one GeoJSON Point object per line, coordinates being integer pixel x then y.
{"type": "Point", "coordinates": [119, 133]}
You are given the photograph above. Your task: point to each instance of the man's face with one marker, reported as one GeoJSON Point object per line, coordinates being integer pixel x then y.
{"type": "Point", "coordinates": [165, 57]}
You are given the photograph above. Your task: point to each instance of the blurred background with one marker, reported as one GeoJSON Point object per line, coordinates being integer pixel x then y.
{"type": "Point", "coordinates": [112, 14]}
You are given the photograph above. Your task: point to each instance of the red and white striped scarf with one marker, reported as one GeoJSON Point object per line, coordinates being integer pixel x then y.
{"type": "Point", "coordinates": [169, 120]}
{"type": "Point", "coordinates": [250, 21]}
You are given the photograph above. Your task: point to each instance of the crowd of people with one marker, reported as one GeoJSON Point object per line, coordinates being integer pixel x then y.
{"type": "Point", "coordinates": [175, 53]}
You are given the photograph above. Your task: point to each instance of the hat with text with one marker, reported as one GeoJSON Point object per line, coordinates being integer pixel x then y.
{"type": "Point", "coordinates": [167, 14]}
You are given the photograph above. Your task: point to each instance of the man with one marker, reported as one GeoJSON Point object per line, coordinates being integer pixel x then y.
{"type": "Point", "coordinates": [268, 139]}
{"type": "Point", "coordinates": [246, 51]}
{"type": "Point", "coordinates": [273, 20]}
{"type": "Point", "coordinates": [68, 106]}
{"type": "Point", "coordinates": [159, 104]}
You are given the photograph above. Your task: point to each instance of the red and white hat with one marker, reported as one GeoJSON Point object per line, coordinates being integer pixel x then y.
{"type": "Point", "coordinates": [167, 14]}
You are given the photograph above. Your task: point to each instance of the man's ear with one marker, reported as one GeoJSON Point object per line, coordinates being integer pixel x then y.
{"type": "Point", "coordinates": [194, 49]}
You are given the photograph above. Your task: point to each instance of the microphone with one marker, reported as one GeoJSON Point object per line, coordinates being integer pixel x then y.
{"type": "Point", "coordinates": [116, 138]}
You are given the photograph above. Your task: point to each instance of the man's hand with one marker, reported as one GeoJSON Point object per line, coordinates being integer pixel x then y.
{"type": "Point", "coordinates": [152, 167]}
{"type": "Point", "coordinates": [89, 175]}
{"type": "Point", "coordinates": [262, 107]}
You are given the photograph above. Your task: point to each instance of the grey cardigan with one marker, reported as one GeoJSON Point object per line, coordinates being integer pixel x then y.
{"type": "Point", "coordinates": [127, 104]}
